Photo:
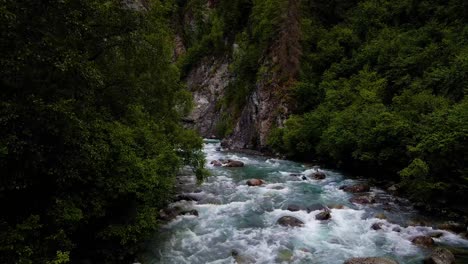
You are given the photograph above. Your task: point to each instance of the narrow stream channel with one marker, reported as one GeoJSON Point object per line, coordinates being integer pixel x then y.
{"type": "Point", "coordinates": [234, 217]}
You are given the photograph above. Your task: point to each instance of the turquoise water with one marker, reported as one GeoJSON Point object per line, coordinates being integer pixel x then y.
{"type": "Point", "coordinates": [236, 217]}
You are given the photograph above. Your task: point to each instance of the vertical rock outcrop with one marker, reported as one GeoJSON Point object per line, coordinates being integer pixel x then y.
{"type": "Point", "coordinates": [207, 82]}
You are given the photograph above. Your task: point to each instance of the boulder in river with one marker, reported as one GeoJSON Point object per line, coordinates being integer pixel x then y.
{"type": "Point", "coordinates": [440, 256]}
{"type": "Point", "coordinates": [377, 225]}
{"type": "Point", "coordinates": [356, 188]}
{"type": "Point", "coordinates": [425, 241]}
{"type": "Point", "coordinates": [186, 197]}
{"type": "Point", "coordinates": [319, 175]}
{"type": "Point", "coordinates": [290, 221]}
{"type": "Point", "coordinates": [189, 212]}
{"type": "Point", "coordinates": [324, 215]}
{"type": "Point", "coordinates": [294, 208]}
{"type": "Point", "coordinates": [296, 174]}
{"type": "Point", "coordinates": [233, 163]}
{"type": "Point", "coordinates": [216, 163]}
{"type": "Point", "coordinates": [373, 260]}
{"type": "Point", "coordinates": [255, 182]}
{"type": "Point", "coordinates": [363, 199]}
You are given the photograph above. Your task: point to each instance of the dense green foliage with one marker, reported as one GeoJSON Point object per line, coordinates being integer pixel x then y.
{"type": "Point", "coordinates": [90, 141]}
{"type": "Point", "coordinates": [382, 91]}
{"type": "Point", "coordinates": [381, 84]}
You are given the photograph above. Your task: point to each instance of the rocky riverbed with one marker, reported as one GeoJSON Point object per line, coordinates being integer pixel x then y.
{"type": "Point", "coordinates": [278, 211]}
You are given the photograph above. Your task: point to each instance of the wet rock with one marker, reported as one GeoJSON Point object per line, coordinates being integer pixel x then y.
{"type": "Point", "coordinates": [168, 214]}
{"type": "Point", "coordinates": [304, 178]}
{"type": "Point", "coordinates": [381, 216]}
{"type": "Point", "coordinates": [440, 256]}
{"type": "Point", "coordinates": [315, 207]}
{"type": "Point", "coordinates": [436, 234]}
{"type": "Point", "coordinates": [319, 175]}
{"type": "Point", "coordinates": [277, 187]}
{"type": "Point", "coordinates": [233, 163]}
{"type": "Point", "coordinates": [216, 163]}
{"type": "Point", "coordinates": [218, 148]}
{"type": "Point", "coordinates": [189, 212]}
{"type": "Point", "coordinates": [293, 208]}
{"type": "Point", "coordinates": [255, 182]}
{"type": "Point", "coordinates": [357, 188]}
{"type": "Point", "coordinates": [425, 241]}
{"type": "Point", "coordinates": [362, 200]}
{"type": "Point", "coordinates": [296, 175]}
{"type": "Point", "coordinates": [337, 206]}
{"type": "Point", "coordinates": [185, 197]}
{"type": "Point", "coordinates": [377, 225]}
{"type": "Point", "coordinates": [396, 229]}
{"type": "Point", "coordinates": [284, 255]}
{"type": "Point", "coordinates": [290, 221]}
{"type": "Point", "coordinates": [240, 259]}
{"type": "Point", "coordinates": [210, 200]}
{"type": "Point", "coordinates": [452, 226]}
{"type": "Point", "coordinates": [392, 188]}
{"type": "Point", "coordinates": [370, 261]}
{"type": "Point", "coordinates": [325, 215]}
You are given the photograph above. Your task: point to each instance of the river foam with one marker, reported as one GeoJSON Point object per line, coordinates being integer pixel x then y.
{"type": "Point", "coordinates": [237, 221]}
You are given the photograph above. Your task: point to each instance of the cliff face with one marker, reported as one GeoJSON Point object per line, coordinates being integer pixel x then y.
{"type": "Point", "coordinates": [265, 70]}
{"type": "Point", "coordinates": [264, 108]}
{"type": "Point", "coordinates": [207, 82]}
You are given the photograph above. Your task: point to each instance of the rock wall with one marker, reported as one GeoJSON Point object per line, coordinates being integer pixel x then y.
{"type": "Point", "coordinates": [207, 82]}
{"type": "Point", "coordinates": [265, 110]}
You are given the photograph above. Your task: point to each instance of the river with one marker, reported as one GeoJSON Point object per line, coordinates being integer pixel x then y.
{"type": "Point", "coordinates": [234, 217]}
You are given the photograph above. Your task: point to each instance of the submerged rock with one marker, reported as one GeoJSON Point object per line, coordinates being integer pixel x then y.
{"type": "Point", "coordinates": [233, 163]}
{"type": "Point", "coordinates": [290, 221]}
{"type": "Point", "coordinates": [440, 256]}
{"type": "Point", "coordinates": [216, 163]}
{"type": "Point", "coordinates": [374, 260]}
{"type": "Point", "coordinates": [325, 215]}
{"type": "Point", "coordinates": [362, 200]}
{"type": "Point", "coordinates": [255, 182]}
{"type": "Point", "coordinates": [381, 216]}
{"type": "Point", "coordinates": [425, 241]}
{"type": "Point", "coordinates": [319, 175]}
{"type": "Point", "coordinates": [357, 188]}
{"type": "Point", "coordinates": [241, 259]}
{"type": "Point", "coordinates": [185, 197]}
{"type": "Point", "coordinates": [294, 208]}
{"type": "Point", "coordinates": [377, 225]}
{"type": "Point", "coordinates": [315, 207]}
{"type": "Point", "coordinates": [296, 174]}
{"type": "Point", "coordinates": [189, 212]}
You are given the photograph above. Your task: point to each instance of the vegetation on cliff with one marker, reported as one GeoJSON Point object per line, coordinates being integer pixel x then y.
{"type": "Point", "coordinates": [381, 90]}
{"type": "Point", "coordinates": [90, 139]}
{"type": "Point", "coordinates": [372, 84]}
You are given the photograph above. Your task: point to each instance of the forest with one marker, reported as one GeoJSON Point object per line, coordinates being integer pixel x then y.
{"type": "Point", "coordinates": [92, 99]}
{"type": "Point", "coordinates": [376, 88]}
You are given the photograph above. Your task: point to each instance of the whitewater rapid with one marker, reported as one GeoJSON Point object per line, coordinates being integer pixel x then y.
{"type": "Point", "coordinates": [234, 217]}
